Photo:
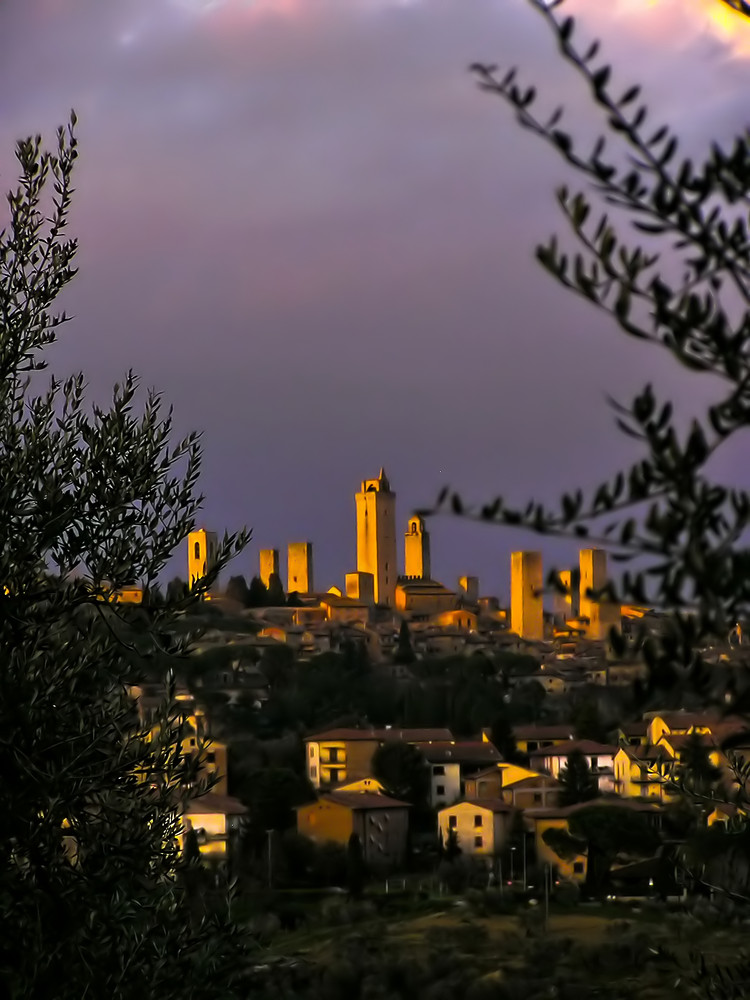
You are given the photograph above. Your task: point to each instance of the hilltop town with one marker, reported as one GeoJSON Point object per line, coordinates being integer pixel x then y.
{"type": "Point", "coordinates": [444, 734]}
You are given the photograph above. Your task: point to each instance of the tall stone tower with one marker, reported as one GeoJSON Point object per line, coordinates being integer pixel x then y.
{"type": "Point", "coordinates": [299, 566]}
{"type": "Point", "coordinates": [526, 602]}
{"type": "Point", "coordinates": [376, 536]}
{"type": "Point", "coordinates": [602, 614]}
{"type": "Point", "coordinates": [417, 550]}
{"type": "Point", "coordinates": [269, 564]}
{"type": "Point", "coordinates": [202, 548]}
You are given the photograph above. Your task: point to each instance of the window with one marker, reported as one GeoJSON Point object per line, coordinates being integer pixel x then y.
{"type": "Point", "coordinates": [211, 757]}
{"type": "Point", "coordinates": [440, 790]}
{"type": "Point", "coordinates": [578, 868]}
{"type": "Point", "coordinates": [537, 798]}
{"type": "Point", "coordinates": [452, 822]}
{"type": "Point", "coordinates": [312, 751]}
{"type": "Point", "coordinates": [197, 550]}
{"type": "Point", "coordinates": [594, 763]}
{"type": "Point", "coordinates": [532, 745]}
{"type": "Point", "coordinates": [477, 842]}
{"type": "Point", "coordinates": [438, 769]}
{"type": "Point", "coordinates": [477, 820]}
{"type": "Point", "coordinates": [314, 773]}
{"type": "Point", "coordinates": [333, 777]}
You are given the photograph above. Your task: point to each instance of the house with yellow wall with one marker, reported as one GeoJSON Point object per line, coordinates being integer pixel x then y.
{"type": "Point", "coordinates": [539, 791]}
{"type": "Point", "coordinates": [380, 822]}
{"type": "Point", "coordinates": [423, 598]}
{"type": "Point", "coordinates": [481, 825]}
{"type": "Point", "coordinates": [217, 822]}
{"type": "Point", "coordinates": [459, 618]}
{"type": "Point", "coordinates": [643, 772]}
{"type": "Point", "coordinates": [337, 756]}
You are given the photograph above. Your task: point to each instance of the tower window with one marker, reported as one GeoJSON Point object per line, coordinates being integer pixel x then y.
{"type": "Point", "coordinates": [197, 550]}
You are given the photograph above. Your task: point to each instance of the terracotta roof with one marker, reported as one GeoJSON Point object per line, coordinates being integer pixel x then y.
{"type": "Point", "coordinates": [364, 800]}
{"type": "Point", "coordinates": [406, 735]}
{"type": "Point", "coordinates": [533, 782]}
{"type": "Point", "coordinates": [543, 732]}
{"type": "Point", "coordinates": [634, 728]}
{"type": "Point", "coordinates": [678, 741]}
{"type": "Point", "coordinates": [344, 734]}
{"type": "Point", "coordinates": [487, 771]}
{"type": "Point", "coordinates": [493, 805]}
{"type": "Point", "coordinates": [585, 746]}
{"type": "Point", "coordinates": [460, 752]}
{"type": "Point", "coordinates": [214, 803]}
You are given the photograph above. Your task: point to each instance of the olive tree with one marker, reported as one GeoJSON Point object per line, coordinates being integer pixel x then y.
{"type": "Point", "coordinates": [92, 498]}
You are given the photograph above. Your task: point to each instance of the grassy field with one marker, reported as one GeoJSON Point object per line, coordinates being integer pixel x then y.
{"type": "Point", "coordinates": [603, 946]}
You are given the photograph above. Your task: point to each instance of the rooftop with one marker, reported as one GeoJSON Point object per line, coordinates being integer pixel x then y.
{"type": "Point", "coordinates": [363, 800]}
{"type": "Point", "coordinates": [585, 746]}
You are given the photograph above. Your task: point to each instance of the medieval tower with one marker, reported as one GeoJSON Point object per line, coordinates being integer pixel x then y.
{"type": "Point", "coordinates": [417, 550]}
{"type": "Point", "coordinates": [202, 548]}
{"type": "Point", "coordinates": [376, 536]}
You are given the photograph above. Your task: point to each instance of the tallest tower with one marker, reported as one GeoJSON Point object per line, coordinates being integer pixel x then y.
{"type": "Point", "coordinates": [376, 536]}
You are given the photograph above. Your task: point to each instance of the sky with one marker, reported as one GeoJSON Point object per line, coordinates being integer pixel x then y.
{"type": "Point", "coordinates": [304, 224]}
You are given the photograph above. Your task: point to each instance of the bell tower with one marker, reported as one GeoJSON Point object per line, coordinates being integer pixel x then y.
{"type": "Point", "coordinates": [417, 550]}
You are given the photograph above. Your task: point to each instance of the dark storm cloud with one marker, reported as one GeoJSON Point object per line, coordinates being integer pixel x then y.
{"type": "Point", "coordinates": [316, 236]}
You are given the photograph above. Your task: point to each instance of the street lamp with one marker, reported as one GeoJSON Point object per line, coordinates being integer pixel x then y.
{"type": "Point", "coordinates": [512, 870]}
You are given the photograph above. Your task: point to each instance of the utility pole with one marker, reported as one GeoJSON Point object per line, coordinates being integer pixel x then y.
{"type": "Point", "coordinates": [524, 860]}
{"type": "Point", "coordinates": [269, 834]}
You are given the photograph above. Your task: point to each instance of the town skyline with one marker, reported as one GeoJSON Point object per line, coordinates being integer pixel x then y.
{"type": "Point", "coordinates": [304, 224]}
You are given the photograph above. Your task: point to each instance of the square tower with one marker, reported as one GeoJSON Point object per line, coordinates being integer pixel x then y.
{"type": "Point", "coordinates": [376, 536]}
{"type": "Point", "coordinates": [567, 604]}
{"type": "Point", "coordinates": [269, 563]}
{"type": "Point", "coordinates": [593, 565]}
{"type": "Point", "coordinates": [202, 549]}
{"type": "Point", "coordinates": [361, 587]}
{"type": "Point", "coordinates": [602, 614]}
{"type": "Point", "coordinates": [417, 550]}
{"type": "Point", "coordinates": [299, 568]}
{"type": "Point", "coordinates": [469, 588]}
{"type": "Point", "coordinates": [526, 603]}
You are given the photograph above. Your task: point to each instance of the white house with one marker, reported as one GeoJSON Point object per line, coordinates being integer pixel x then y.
{"type": "Point", "coordinates": [599, 756]}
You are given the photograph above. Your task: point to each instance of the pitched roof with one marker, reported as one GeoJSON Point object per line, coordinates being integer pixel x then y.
{"type": "Point", "coordinates": [460, 752]}
{"type": "Point", "coordinates": [543, 732]}
{"type": "Point", "coordinates": [215, 803]}
{"type": "Point", "coordinates": [364, 800]}
{"type": "Point", "coordinates": [492, 805]}
{"type": "Point", "coordinates": [533, 781]}
{"type": "Point", "coordinates": [585, 746]}
{"type": "Point", "coordinates": [405, 735]}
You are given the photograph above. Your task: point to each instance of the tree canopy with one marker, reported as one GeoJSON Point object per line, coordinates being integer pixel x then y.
{"type": "Point", "coordinates": [577, 782]}
{"type": "Point", "coordinates": [603, 833]}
